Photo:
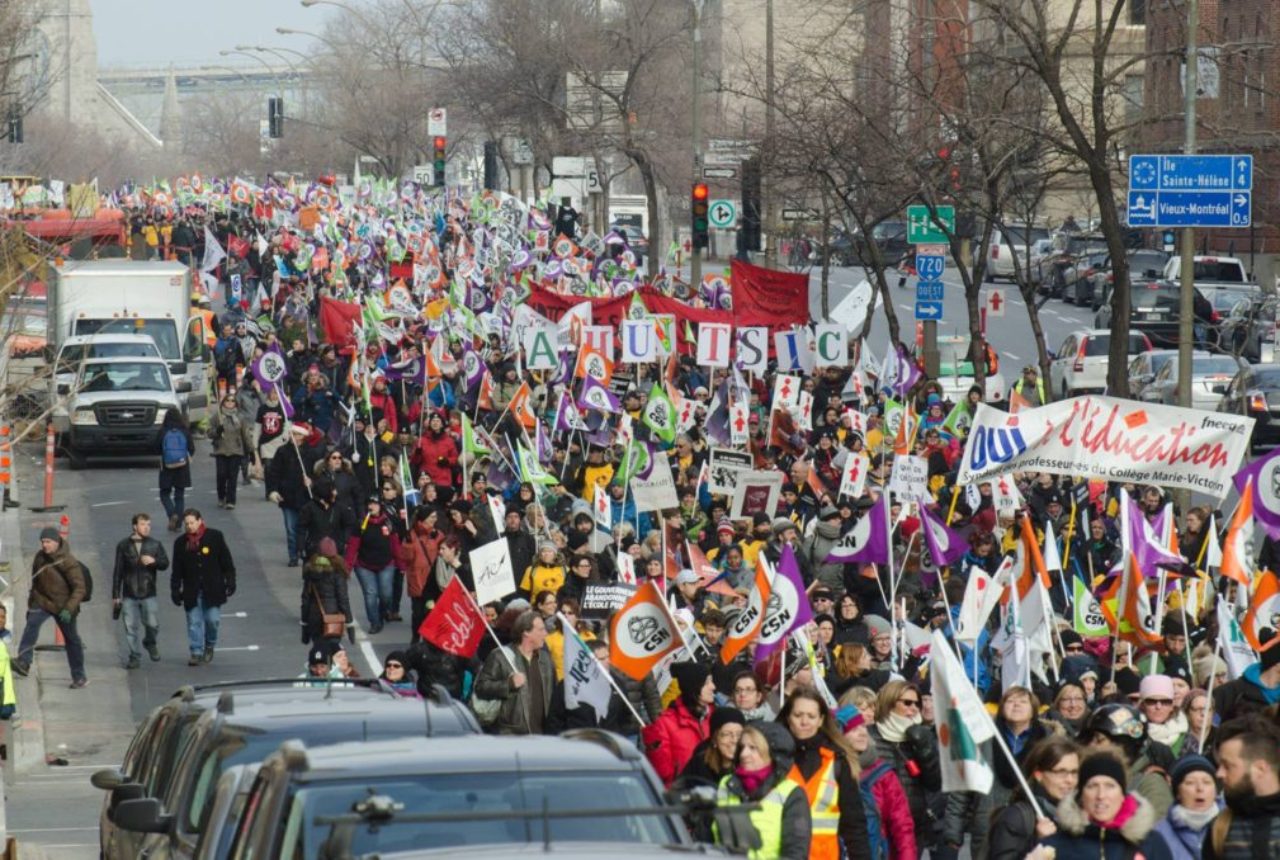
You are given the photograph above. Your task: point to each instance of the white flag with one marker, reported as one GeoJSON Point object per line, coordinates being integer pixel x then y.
{"type": "Point", "coordinates": [977, 605]}
{"type": "Point", "coordinates": [584, 679]}
{"type": "Point", "coordinates": [967, 723]}
{"type": "Point", "coordinates": [1236, 650]}
{"type": "Point", "coordinates": [213, 253]}
{"type": "Point", "coordinates": [603, 509]}
{"type": "Point", "coordinates": [1213, 553]}
{"type": "Point", "coordinates": [491, 569]}
{"type": "Point", "coordinates": [1052, 558]}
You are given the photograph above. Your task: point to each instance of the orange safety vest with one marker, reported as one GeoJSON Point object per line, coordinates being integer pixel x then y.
{"type": "Point", "coordinates": [210, 336]}
{"type": "Point", "coordinates": [823, 793]}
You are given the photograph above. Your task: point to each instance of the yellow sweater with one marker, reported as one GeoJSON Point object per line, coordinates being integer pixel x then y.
{"type": "Point", "coordinates": [539, 577]}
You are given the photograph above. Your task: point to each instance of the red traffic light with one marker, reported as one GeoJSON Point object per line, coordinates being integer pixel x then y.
{"type": "Point", "coordinates": [700, 191]}
{"type": "Point", "coordinates": [439, 143]}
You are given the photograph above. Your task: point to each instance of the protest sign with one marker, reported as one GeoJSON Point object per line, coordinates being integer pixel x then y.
{"type": "Point", "coordinates": [724, 467]}
{"type": "Point", "coordinates": [600, 600]}
{"type": "Point", "coordinates": [756, 493]}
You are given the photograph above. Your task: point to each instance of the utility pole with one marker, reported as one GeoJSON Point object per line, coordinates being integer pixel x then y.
{"type": "Point", "coordinates": [695, 253]}
{"type": "Point", "coordinates": [766, 184]}
{"type": "Point", "coordinates": [1186, 297]}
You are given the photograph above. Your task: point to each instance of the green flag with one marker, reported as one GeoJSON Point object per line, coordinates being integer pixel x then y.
{"type": "Point", "coordinates": [472, 446]}
{"type": "Point", "coordinates": [531, 470]}
{"type": "Point", "coordinates": [958, 420]}
{"type": "Point", "coordinates": [659, 414]}
{"type": "Point", "coordinates": [1088, 619]}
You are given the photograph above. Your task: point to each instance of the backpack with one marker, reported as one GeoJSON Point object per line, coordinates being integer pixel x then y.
{"type": "Point", "coordinates": [876, 837]}
{"type": "Point", "coordinates": [88, 581]}
{"type": "Point", "coordinates": [174, 449]}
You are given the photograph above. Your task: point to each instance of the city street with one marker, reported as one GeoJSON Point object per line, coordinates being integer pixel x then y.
{"type": "Point", "coordinates": [52, 806]}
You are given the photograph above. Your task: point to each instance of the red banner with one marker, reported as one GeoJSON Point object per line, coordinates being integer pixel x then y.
{"type": "Point", "coordinates": [454, 624]}
{"type": "Point", "coordinates": [338, 321]}
{"type": "Point", "coordinates": [768, 297]}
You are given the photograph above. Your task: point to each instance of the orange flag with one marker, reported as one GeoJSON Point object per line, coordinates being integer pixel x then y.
{"type": "Point", "coordinates": [1017, 402]}
{"type": "Point", "coordinates": [486, 392]}
{"type": "Point", "coordinates": [1263, 609]}
{"type": "Point", "coordinates": [641, 633]}
{"type": "Point", "coordinates": [1034, 561]}
{"type": "Point", "coordinates": [1235, 550]}
{"type": "Point", "coordinates": [1129, 614]}
{"type": "Point", "coordinates": [743, 629]}
{"type": "Point", "coordinates": [520, 407]}
{"type": "Point", "coordinates": [706, 571]}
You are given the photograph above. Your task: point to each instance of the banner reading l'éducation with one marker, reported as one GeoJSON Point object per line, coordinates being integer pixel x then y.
{"type": "Point", "coordinates": [1112, 439]}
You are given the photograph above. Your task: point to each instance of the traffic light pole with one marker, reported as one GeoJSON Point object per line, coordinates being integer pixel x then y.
{"type": "Point", "coordinates": [695, 253]}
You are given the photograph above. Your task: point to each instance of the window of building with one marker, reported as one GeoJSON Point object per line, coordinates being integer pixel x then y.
{"type": "Point", "coordinates": [1138, 12]}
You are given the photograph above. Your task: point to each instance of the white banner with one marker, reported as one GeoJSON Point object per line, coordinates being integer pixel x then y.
{"type": "Point", "coordinates": [491, 569]}
{"type": "Point", "coordinates": [1110, 439]}
{"type": "Point", "coordinates": [658, 491]}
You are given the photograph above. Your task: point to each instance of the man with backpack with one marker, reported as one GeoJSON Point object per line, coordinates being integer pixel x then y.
{"type": "Point", "coordinates": [59, 584]}
{"type": "Point", "coordinates": [227, 354]}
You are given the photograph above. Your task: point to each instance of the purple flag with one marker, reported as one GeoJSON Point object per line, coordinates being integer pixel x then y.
{"type": "Point", "coordinates": [1266, 491]}
{"type": "Point", "coordinates": [596, 397]}
{"type": "Point", "coordinates": [414, 370]}
{"type": "Point", "coordinates": [718, 415]}
{"type": "Point", "coordinates": [866, 542]}
{"type": "Point", "coordinates": [787, 609]}
{"type": "Point", "coordinates": [906, 373]}
{"type": "Point", "coordinates": [567, 417]}
{"type": "Point", "coordinates": [542, 442]}
{"type": "Point", "coordinates": [472, 365]}
{"type": "Point", "coordinates": [269, 369]}
{"type": "Point", "coordinates": [946, 545]}
{"type": "Point", "coordinates": [1146, 546]}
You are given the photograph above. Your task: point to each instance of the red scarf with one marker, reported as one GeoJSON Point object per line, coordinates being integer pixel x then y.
{"type": "Point", "coordinates": [1126, 811]}
{"type": "Point", "coordinates": [194, 538]}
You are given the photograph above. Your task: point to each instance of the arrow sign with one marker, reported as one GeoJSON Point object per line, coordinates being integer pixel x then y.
{"type": "Point", "coordinates": [928, 310]}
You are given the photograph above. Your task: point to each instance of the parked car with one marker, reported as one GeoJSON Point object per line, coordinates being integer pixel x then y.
{"type": "Point", "coordinates": [245, 726]}
{"type": "Point", "coordinates": [1207, 269]}
{"type": "Point", "coordinates": [636, 241]}
{"type": "Point", "coordinates": [229, 798]}
{"type": "Point", "coordinates": [1144, 267]}
{"type": "Point", "coordinates": [1156, 310]}
{"type": "Point", "coordinates": [1224, 297]}
{"type": "Point", "coordinates": [1255, 392]}
{"type": "Point", "coordinates": [1144, 368]}
{"type": "Point", "coordinates": [955, 370]}
{"type": "Point", "coordinates": [1068, 247]}
{"type": "Point", "coordinates": [889, 237]}
{"type": "Point", "coordinates": [1209, 374]}
{"type": "Point", "coordinates": [1008, 241]}
{"type": "Point", "coordinates": [1080, 364]}
{"type": "Point", "coordinates": [362, 799]}
{"type": "Point", "coordinates": [1077, 277]}
{"type": "Point", "coordinates": [1249, 330]}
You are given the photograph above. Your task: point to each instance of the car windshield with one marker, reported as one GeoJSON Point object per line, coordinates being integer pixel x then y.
{"type": "Point", "coordinates": [125, 376]}
{"type": "Point", "coordinates": [888, 229]}
{"type": "Point", "coordinates": [1214, 365]}
{"type": "Point", "coordinates": [163, 332]}
{"type": "Point", "coordinates": [1021, 234]}
{"type": "Point", "coordinates": [1141, 262]}
{"type": "Point", "coordinates": [73, 354]}
{"type": "Point", "coordinates": [1215, 270]}
{"type": "Point", "coordinates": [1155, 296]}
{"type": "Point", "coordinates": [1224, 300]}
{"type": "Point", "coordinates": [1100, 344]}
{"type": "Point", "coordinates": [479, 792]}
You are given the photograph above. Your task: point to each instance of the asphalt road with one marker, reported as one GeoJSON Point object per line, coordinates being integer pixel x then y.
{"type": "Point", "coordinates": [53, 806]}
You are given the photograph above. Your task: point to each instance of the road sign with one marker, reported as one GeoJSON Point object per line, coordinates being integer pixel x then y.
{"type": "Point", "coordinates": [928, 310]}
{"type": "Point", "coordinates": [1190, 191]}
{"type": "Point", "coordinates": [719, 172]}
{"type": "Point", "coordinates": [800, 215]}
{"type": "Point", "coordinates": [995, 303]}
{"type": "Point", "coordinates": [922, 229]}
{"type": "Point", "coordinates": [437, 121]}
{"type": "Point", "coordinates": [424, 174]}
{"type": "Point", "coordinates": [930, 266]}
{"type": "Point", "coordinates": [929, 291]}
{"type": "Point", "coordinates": [933, 250]}
{"type": "Point", "coordinates": [723, 214]}
{"type": "Point", "coordinates": [521, 151]}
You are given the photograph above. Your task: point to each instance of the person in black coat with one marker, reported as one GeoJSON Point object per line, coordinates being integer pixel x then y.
{"type": "Point", "coordinates": [433, 665]}
{"type": "Point", "coordinates": [323, 517]}
{"type": "Point", "coordinates": [520, 543]}
{"type": "Point", "coordinates": [325, 591]}
{"type": "Point", "coordinates": [616, 719]}
{"type": "Point", "coordinates": [203, 579]}
{"type": "Point", "coordinates": [289, 485]}
{"type": "Point", "coordinates": [175, 478]}
{"type": "Point", "coordinates": [139, 557]}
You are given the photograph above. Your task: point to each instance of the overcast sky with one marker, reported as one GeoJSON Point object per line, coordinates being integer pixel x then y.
{"type": "Point", "coordinates": [191, 32]}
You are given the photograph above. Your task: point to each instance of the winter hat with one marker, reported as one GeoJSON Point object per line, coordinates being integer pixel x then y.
{"type": "Point", "coordinates": [1070, 637]}
{"type": "Point", "coordinates": [760, 518]}
{"type": "Point", "coordinates": [726, 716]}
{"type": "Point", "coordinates": [1128, 682]}
{"type": "Point", "coordinates": [877, 625]}
{"type": "Point", "coordinates": [828, 512]}
{"type": "Point", "coordinates": [320, 655]}
{"type": "Point", "coordinates": [1270, 654]}
{"type": "Point", "coordinates": [1187, 766]}
{"type": "Point", "coordinates": [1101, 764]}
{"type": "Point", "coordinates": [1156, 687]}
{"type": "Point", "coordinates": [1206, 666]}
{"type": "Point", "coordinates": [848, 717]}
{"type": "Point", "coordinates": [398, 657]}
{"type": "Point", "coordinates": [687, 577]}
{"type": "Point", "coordinates": [1176, 667]}
{"type": "Point", "coordinates": [327, 547]}
{"type": "Point", "coordinates": [50, 533]}
{"type": "Point", "coordinates": [691, 677]}
{"type": "Point", "coordinates": [724, 527]}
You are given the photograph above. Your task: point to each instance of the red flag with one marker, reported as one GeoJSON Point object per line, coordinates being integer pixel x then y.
{"type": "Point", "coordinates": [454, 624]}
{"type": "Point", "coordinates": [237, 247]}
{"type": "Point", "coordinates": [338, 321]}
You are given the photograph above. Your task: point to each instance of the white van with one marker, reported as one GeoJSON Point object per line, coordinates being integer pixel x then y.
{"type": "Point", "coordinates": [76, 350]}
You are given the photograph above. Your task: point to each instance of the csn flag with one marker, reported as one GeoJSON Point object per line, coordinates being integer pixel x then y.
{"type": "Point", "coordinates": [967, 723]}
{"type": "Point", "coordinates": [641, 633]}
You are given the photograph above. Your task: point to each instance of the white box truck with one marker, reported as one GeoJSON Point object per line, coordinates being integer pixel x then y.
{"type": "Point", "coordinates": [136, 297]}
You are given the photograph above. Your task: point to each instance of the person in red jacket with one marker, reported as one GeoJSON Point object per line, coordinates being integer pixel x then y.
{"type": "Point", "coordinates": [373, 552]}
{"type": "Point", "coordinates": [383, 404]}
{"type": "Point", "coordinates": [670, 740]}
{"type": "Point", "coordinates": [877, 775]}
{"type": "Point", "coordinates": [436, 453]}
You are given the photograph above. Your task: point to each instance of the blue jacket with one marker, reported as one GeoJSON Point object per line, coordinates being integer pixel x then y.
{"type": "Point", "coordinates": [1183, 841]}
{"type": "Point", "coordinates": [1078, 838]}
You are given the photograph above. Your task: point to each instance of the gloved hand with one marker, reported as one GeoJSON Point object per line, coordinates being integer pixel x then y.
{"type": "Point", "coordinates": [65, 616]}
{"type": "Point", "coordinates": [275, 497]}
{"type": "Point", "coordinates": [177, 600]}
{"type": "Point", "coordinates": [351, 633]}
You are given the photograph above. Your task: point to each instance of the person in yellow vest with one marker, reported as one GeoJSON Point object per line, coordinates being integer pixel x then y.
{"type": "Point", "coordinates": [760, 770]}
{"type": "Point", "coordinates": [1030, 387]}
{"type": "Point", "coordinates": [825, 767]}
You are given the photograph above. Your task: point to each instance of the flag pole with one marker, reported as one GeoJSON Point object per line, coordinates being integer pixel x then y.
{"type": "Point", "coordinates": [485, 620]}
{"type": "Point", "coordinates": [608, 676]}
{"type": "Point", "coordinates": [1208, 705]}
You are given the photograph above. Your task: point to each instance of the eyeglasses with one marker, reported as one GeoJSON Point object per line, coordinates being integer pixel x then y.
{"type": "Point", "coordinates": [1163, 703]}
{"type": "Point", "coordinates": [910, 703]}
{"type": "Point", "coordinates": [395, 666]}
{"type": "Point", "coordinates": [1063, 771]}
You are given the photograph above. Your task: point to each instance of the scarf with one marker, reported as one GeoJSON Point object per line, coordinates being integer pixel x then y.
{"type": "Point", "coordinates": [893, 728]}
{"type": "Point", "coordinates": [1192, 820]}
{"type": "Point", "coordinates": [1127, 810]}
{"type": "Point", "coordinates": [194, 538]}
{"type": "Point", "coordinates": [753, 779]}
{"type": "Point", "coordinates": [1168, 732]}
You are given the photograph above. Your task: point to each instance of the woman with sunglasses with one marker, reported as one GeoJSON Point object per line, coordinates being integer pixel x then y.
{"type": "Point", "coordinates": [396, 675]}
{"type": "Point", "coordinates": [338, 470]}
{"type": "Point", "coordinates": [901, 738]}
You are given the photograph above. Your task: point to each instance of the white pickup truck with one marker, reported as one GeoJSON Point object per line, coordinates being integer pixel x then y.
{"type": "Point", "coordinates": [1208, 270]}
{"type": "Point", "coordinates": [117, 406]}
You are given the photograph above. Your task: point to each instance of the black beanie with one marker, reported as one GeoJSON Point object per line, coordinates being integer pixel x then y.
{"type": "Point", "coordinates": [1187, 766]}
{"type": "Point", "coordinates": [1101, 764]}
{"type": "Point", "coordinates": [723, 717]}
{"type": "Point", "coordinates": [691, 677]}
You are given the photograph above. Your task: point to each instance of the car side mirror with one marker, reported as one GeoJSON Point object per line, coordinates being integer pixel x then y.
{"type": "Point", "coordinates": [110, 778]}
{"type": "Point", "coordinates": [122, 794]}
{"type": "Point", "coordinates": [1219, 389]}
{"type": "Point", "coordinates": [183, 387]}
{"type": "Point", "coordinates": [143, 815]}
{"type": "Point", "coordinates": [178, 368]}
{"type": "Point", "coordinates": [1146, 378]}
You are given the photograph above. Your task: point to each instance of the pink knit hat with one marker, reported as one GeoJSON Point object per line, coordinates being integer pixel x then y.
{"type": "Point", "coordinates": [1155, 687]}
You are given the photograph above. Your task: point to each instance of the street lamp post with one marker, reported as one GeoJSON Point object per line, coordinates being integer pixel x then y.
{"type": "Point", "coordinates": [695, 253]}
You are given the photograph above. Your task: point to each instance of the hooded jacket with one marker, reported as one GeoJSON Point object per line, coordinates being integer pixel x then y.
{"type": "Point", "coordinates": [436, 454]}
{"type": "Point", "coordinates": [797, 826]}
{"type": "Point", "coordinates": [895, 811]}
{"type": "Point", "coordinates": [319, 520]}
{"type": "Point", "coordinates": [816, 548]}
{"type": "Point", "coordinates": [323, 585]}
{"type": "Point", "coordinates": [57, 580]}
{"type": "Point", "coordinates": [1183, 836]}
{"type": "Point", "coordinates": [1245, 695]}
{"type": "Point", "coordinates": [671, 739]}
{"type": "Point", "coordinates": [1078, 838]}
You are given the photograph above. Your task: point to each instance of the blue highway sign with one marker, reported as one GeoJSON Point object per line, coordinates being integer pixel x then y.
{"type": "Point", "coordinates": [1190, 191]}
{"type": "Point", "coordinates": [930, 266]}
{"type": "Point", "coordinates": [928, 310]}
{"type": "Point", "coordinates": [928, 291]}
